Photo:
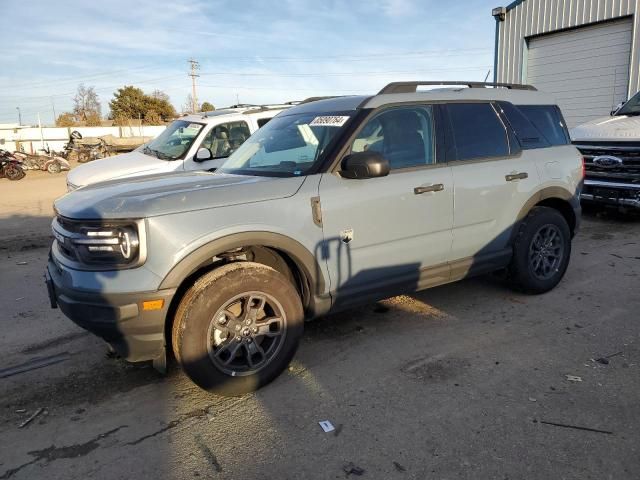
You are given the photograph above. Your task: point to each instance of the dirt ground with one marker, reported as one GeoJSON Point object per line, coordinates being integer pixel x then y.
{"type": "Point", "coordinates": [26, 207]}
{"type": "Point", "coordinates": [464, 381]}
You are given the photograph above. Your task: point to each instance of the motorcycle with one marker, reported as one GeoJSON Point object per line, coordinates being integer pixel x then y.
{"type": "Point", "coordinates": [50, 162]}
{"type": "Point", "coordinates": [10, 167]}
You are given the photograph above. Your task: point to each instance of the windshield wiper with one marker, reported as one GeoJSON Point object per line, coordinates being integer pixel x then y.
{"type": "Point", "coordinates": [158, 154]}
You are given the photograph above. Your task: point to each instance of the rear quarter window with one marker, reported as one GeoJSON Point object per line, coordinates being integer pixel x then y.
{"type": "Point", "coordinates": [548, 121]}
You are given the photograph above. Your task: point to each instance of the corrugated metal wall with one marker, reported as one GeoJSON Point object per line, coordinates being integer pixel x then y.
{"type": "Point", "coordinates": [535, 17]}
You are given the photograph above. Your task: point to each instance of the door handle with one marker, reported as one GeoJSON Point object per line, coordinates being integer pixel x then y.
{"type": "Point", "coordinates": [516, 176]}
{"type": "Point", "coordinates": [438, 187]}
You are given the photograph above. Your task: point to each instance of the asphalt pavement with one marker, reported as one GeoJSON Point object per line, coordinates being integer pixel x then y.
{"type": "Point", "coordinates": [466, 381]}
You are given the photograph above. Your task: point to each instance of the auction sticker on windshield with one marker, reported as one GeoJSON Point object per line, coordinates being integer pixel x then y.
{"type": "Point", "coordinates": [328, 121]}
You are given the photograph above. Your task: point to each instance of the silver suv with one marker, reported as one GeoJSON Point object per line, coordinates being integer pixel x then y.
{"type": "Point", "coordinates": [333, 203]}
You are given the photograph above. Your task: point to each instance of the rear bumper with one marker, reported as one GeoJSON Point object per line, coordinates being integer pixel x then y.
{"type": "Point", "coordinates": [136, 334]}
{"type": "Point", "coordinates": [611, 193]}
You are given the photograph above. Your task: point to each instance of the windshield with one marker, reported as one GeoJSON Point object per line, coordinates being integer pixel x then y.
{"type": "Point", "coordinates": [632, 107]}
{"type": "Point", "coordinates": [174, 141]}
{"type": "Point", "coordinates": [286, 146]}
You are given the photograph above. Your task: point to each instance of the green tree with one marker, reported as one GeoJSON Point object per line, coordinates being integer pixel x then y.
{"type": "Point", "coordinates": [151, 117]}
{"type": "Point", "coordinates": [161, 106]}
{"type": "Point", "coordinates": [128, 102]}
{"type": "Point", "coordinates": [131, 102]}
{"type": "Point", "coordinates": [207, 107]}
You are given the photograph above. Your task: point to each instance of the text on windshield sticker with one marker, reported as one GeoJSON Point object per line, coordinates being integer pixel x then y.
{"type": "Point", "coordinates": [329, 121]}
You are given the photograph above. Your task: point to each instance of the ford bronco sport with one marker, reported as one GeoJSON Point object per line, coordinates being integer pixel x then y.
{"type": "Point", "coordinates": [333, 203]}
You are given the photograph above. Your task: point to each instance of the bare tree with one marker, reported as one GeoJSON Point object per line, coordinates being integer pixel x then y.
{"type": "Point", "coordinates": [86, 105]}
{"type": "Point", "coordinates": [160, 95]}
{"type": "Point", "coordinates": [187, 107]}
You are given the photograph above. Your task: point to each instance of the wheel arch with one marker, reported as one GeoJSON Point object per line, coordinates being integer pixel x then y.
{"type": "Point", "coordinates": [278, 251]}
{"type": "Point", "coordinates": [558, 198]}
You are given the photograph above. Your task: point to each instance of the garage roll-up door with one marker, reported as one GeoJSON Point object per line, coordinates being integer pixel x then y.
{"type": "Point", "coordinates": [586, 69]}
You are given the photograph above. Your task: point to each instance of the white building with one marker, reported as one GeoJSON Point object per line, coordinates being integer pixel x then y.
{"type": "Point", "coordinates": [585, 52]}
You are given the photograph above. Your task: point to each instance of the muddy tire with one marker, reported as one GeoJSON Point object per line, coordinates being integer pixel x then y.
{"type": "Point", "coordinates": [237, 328]}
{"type": "Point", "coordinates": [54, 167]}
{"type": "Point", "coordinates": [541, 251]}
{"type": "Point", "coordinates": [14, 172]}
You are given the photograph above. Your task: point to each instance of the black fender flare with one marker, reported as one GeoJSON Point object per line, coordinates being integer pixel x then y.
{"type": "Point", "coordinates": [201, 256]}
{"type": "Point", "coordinates": [572, 199]}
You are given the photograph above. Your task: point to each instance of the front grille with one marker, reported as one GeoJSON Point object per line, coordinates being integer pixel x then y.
{"type": "Point", "coordinates": [626, 172]}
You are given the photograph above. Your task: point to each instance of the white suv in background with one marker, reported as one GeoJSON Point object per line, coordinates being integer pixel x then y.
{"type": "Point", "coordinates": [199, 141]}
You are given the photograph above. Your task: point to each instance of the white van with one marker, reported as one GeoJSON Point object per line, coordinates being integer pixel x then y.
{"type": "Point", "coordinates": [199, 141]}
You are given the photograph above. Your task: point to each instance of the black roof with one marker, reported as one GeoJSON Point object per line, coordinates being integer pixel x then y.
{"type": "Point", "coordinates": [335, 104]}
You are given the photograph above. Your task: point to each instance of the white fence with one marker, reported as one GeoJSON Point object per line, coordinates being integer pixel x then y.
{"type": "Point", "coordinates": [32, 139]}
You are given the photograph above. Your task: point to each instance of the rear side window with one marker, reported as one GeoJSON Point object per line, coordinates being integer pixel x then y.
{"type": "Point", "coordinates": [528, 135]}
{"type": "Point", "coordinates": [263, 121]}
{"type": "Point", "coordinates": [549, 122]}
{"type": "Point", "coordinates": [477, 132]}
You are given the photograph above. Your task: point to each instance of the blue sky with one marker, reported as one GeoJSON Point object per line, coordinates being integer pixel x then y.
{"type": "Point", "coordinates": [256, 51]}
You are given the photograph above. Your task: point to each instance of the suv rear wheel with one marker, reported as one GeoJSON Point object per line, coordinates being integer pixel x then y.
{"type": "Point", "coordinates": [541, 251]}
{"type": "Point", "coordinates": [237, 328]}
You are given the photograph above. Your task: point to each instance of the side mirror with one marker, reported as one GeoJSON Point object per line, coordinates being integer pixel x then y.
{"type": "Point", "coordinates": [203, 154]}
{"type": "Point", "coordinates": [364, 165]}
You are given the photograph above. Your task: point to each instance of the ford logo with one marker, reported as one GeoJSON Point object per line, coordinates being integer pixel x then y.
{"type": "Point", "coordinates": [607, 161]}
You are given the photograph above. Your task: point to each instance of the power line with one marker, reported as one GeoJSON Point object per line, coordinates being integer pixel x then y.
{"type": "Point", "coordinates": [343, 74]}
{"type": "Point", "coordinates": [111, 87]}
{"type": "Point", "coordinates": [80, 79]}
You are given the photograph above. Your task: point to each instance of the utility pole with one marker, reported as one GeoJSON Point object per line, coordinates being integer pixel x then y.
{"type": "Point", "coordinates": [41, 134]}
{"type": "Point", "coordinates": [19, 116]}
{"type": "Point", "coordinates": [53, 107]}
{"type": "Point", "coordinates": [194, 97]}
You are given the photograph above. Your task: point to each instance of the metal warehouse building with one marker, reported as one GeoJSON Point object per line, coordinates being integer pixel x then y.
{"type": "Point", "coordinates": [585, 52]}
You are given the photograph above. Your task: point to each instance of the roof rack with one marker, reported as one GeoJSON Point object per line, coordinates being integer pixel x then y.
{"type": "Point", "coordinates": [241, 105]}
{"type": "Point", "coordinates": [246, 108]}
{"type": "Point", "coordinates": [412, 87]}
{"type": "Point", "coordinates": [315, 99]}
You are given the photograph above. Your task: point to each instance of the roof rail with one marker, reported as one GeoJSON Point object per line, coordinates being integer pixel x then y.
{"type": "Point", "coordinates": [412, 87]}
{"type": "Point", "coordinates": [315, 99]}
{"type": "Point", "coordinates": [241, 105]}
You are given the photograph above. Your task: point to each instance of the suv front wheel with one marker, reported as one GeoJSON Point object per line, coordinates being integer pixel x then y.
{"type": "Point", "coordinates": [237, 328]}
{"type": "Point", "coordinates": [541, 251]}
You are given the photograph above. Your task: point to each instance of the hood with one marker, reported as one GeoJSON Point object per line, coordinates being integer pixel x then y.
{"type": "Point", "coordinates": [617, 128]}
{"type": "Point", "coordinates": [125, 165]}
{"type": "Point", "coordinates": [165, 194]}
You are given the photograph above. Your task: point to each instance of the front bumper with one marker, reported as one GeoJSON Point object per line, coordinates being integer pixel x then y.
{"type": "Point", "coordinates": [135, 334]}
{"type": "Point", "coordinates": [611, 193]}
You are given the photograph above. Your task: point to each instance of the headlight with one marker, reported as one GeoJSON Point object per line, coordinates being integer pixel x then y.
{"type": "Point", "coordinates": [101, 244]}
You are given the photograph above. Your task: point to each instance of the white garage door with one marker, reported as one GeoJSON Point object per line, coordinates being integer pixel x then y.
{"type": "Point", "coordinates": [586, 69]}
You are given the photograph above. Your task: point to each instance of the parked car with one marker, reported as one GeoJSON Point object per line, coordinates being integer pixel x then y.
{"type": "Point", "coordinates": [611, 149]}
{"type": "Point", "coordinates": [195, 142]}
{"type": "Point", "coordinates": [333, 203]}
